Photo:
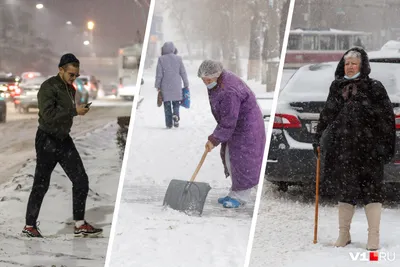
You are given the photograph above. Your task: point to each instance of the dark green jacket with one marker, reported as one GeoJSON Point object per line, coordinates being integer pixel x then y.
{"type": "Point", "coordinates": [56, 101]}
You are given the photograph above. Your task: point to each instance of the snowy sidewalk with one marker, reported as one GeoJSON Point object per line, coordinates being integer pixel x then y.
{"type": "Point", "coordinates": [100, 156]}
{"type": "Point", "coordinates": [147, 235]}
{"type": "Point", "coordinates": [285, 230]}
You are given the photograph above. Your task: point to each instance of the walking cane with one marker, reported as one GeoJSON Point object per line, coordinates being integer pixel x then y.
{"type": "Point", "coordinates": [317, 196]}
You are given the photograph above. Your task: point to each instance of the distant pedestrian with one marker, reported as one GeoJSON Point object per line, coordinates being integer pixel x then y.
{"type": "Point", "coordinates": [169, 76]}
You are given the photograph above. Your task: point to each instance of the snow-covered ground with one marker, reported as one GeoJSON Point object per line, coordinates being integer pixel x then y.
{"type": "Point", "coordinates": [96, 142]}
{"type": "Point", "coordinates": [148, 235]}
{"type": "Point", "coordinates": [285, 230]}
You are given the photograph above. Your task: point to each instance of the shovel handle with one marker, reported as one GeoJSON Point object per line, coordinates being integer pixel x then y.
{"type": "Point", "coordinates": [315, 241]}
{"type": "Point", "coordinates": [199, 165]}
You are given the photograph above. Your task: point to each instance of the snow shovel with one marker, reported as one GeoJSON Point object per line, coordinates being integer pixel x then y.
{"type": "Point", "coordinates": [188, 196]}
{"type": "Point", "coordinates": [317, 196]}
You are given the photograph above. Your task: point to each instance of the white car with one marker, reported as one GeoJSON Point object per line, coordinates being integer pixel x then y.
{"type": "Point", "coordinates": [129, 91]}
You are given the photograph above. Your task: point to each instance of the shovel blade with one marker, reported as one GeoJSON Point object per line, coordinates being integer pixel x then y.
{"type": "Point", "coordinates": [186, 196]}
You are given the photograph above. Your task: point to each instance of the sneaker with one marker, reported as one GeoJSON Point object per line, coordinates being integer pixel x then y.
{"type": "Point", "coordinates": [32, 231]}
{"type": "Point", "coordinates": [232, 203]}
{"type": "Point", "coordinates": [221, 200]}
{"type": "Point", "coordinates": [87, 230]}
{"type": "Point", "coordinates": [175, 118]}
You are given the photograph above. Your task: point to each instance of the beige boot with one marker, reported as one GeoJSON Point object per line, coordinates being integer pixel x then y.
{"type": "Point", "coordinates": [373, 212]}
{"type": "Point", "coordinates": [346, 212]}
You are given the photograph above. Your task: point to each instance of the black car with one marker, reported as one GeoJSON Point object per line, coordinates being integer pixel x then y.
{"type": "Point", "coordinates": [291, 160]}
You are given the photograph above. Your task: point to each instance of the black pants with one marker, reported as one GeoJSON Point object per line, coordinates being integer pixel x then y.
{"type": "Point", "coordinates": [49, 152]}
{"type": "Point", "coordinates": [362, 183]}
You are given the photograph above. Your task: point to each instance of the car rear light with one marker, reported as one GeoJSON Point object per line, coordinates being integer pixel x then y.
{"type": "Point", "coordinates": [286, 121]}
{"type": "Point", "coordinates": [397, 122]}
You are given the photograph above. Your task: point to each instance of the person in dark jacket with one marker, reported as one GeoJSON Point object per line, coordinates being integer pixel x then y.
{"type": "Point", "coordinates": [57, 108]}
{"type": "Point", "coordinates": [358, 124]}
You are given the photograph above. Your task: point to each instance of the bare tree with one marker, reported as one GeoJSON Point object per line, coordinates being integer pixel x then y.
{"type": "Point", "coordinates": [256, 39]}
{"type": "Point", "coordinates": [283, 20]}
{"type": "Point", "coordinates": [272, 44]}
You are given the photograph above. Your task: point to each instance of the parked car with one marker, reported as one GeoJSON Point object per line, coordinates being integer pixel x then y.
{"type": "Point", "coordinates": [291, 160]}
{"type": "Point", "coordinates": [82, 94]}
{"type": "Point", "coordinates": [29, 88]}
{"type": "Point", "coordinates": [91, 84]}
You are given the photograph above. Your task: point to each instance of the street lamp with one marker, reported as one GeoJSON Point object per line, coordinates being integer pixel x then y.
{"type": "Point", "coordinates": [39, 6]}
{"type": "Point", "coordinates": [86, 42]}
{"type": "Point", "coordinates": [90, 25]}
{"type": "Point", "coordinates": [69, 22]}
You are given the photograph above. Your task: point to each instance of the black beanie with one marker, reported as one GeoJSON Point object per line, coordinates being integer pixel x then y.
{"type": "Point", "coordinates": [68, 58]}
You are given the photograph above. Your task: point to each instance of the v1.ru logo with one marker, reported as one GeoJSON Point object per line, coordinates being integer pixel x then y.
{"type": "Point", "coordinates": [373, 256]}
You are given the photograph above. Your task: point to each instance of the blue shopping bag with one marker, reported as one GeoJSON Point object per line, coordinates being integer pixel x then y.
{"type": "Point", "coordinates": [185, 98]}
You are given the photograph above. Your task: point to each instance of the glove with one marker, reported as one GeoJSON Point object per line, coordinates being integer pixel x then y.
{"type": "Point", "coordinates": [315, 148]}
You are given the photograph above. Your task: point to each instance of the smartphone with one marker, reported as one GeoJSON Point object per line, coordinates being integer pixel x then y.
{"type": "Point", "coordinates": [88, 105]}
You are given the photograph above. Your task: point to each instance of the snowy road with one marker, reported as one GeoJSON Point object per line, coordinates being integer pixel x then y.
{"type": "Point", "coordinates": [147, 235]}
{"type": "Point", "coordinates": [18, 133]}
{"type": "Point", "coordinates": [95, 139]}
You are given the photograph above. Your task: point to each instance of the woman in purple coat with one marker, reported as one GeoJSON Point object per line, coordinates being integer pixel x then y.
{"type": "Point", "coordinates": [240, 130]}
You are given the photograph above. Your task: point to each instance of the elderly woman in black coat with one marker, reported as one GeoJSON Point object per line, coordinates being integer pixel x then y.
{"type": "Point", "coordinates": [359, 124]}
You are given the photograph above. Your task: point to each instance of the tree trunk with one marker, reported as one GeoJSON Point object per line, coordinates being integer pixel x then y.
{"type": "Point", "coordinates": [253, 66]}
{"type": "Point", "coordinates": [264, 56]}
{"type": "Point", "coordinates": [282, 26]}
{"type": "Point", "coordinates": [273, 17]}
